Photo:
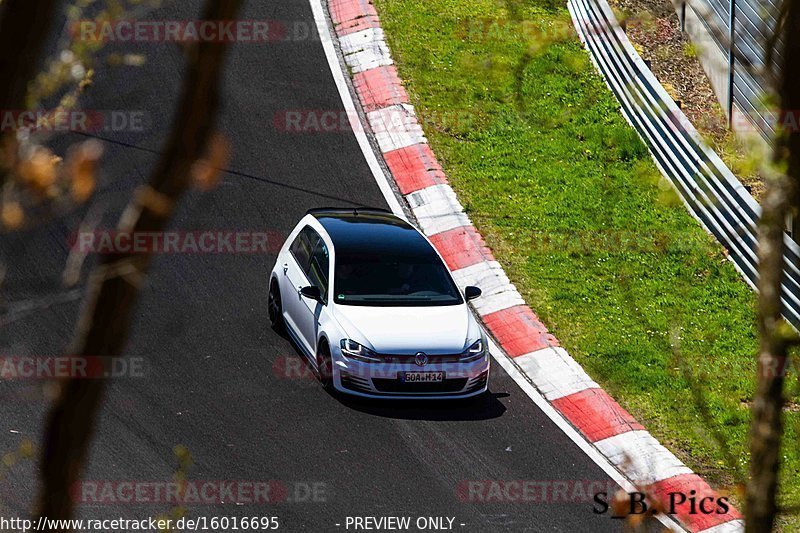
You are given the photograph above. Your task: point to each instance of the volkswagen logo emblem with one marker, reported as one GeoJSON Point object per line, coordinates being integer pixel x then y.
{"type": "Point", "coordinates": [421, 359]}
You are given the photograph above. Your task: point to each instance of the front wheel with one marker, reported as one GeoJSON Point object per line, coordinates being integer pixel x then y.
{"type": "Point", "coordinates": [275, 307]}
{"type": "Point", "coordinates": [325, 367]}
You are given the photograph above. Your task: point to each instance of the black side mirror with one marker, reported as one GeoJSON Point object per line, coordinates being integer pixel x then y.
{"type": "Point", "coordinates": [471, 292]}
{"type": "Point", "coordinates": [312, 293]}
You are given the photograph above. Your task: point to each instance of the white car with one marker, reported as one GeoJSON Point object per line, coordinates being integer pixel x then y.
{"type": "Point", "coordinates": [373, 307]}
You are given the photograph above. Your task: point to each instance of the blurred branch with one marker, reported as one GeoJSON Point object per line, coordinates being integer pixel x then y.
{"type": "Point", "coordinates": [36, 185]}
{"type": "Point", "coordinates": [781, 199]}
{"type": "Point", "coordinates": [766, 427]}
{"type": "Point", "coordinates": [23, 28]}
{"type": "Point", "coordinates": [773, 42]}
{"type": "Point", "coordinates": [113, 287]}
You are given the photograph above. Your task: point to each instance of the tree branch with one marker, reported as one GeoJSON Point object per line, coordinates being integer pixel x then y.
{"type": "Point", "coordinates": [24, 25]}
{"type": "Point", "coordinates": [114, 286]}
{"type": "Point", "coordinates": [766, 428]}
{"type": "Point", "coordinates": [23, 30]}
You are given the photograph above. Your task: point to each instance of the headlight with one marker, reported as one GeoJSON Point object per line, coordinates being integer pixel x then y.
{"type": "Point", "coordinates": [474, 352]}
{"type": "Point", "coordinates": [354, 350]}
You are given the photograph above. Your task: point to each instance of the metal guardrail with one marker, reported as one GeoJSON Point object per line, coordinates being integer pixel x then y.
{"type": "Point", "coordinates": [708, 188]}
{"type": "Point", "coordinates": [753, 23]}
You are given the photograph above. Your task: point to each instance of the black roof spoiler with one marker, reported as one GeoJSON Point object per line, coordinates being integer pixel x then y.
{"type": "Point", "coordinates": [348, 211]}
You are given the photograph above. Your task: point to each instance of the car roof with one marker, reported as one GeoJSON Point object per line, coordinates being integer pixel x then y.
{"type": "Point", "coordinates": [370, 231]}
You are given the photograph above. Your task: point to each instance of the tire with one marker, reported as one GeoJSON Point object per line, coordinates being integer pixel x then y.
{"type": "Point", "coordinates": [275, 308]}
{"type": "Point", "coordinates": [325, 367]}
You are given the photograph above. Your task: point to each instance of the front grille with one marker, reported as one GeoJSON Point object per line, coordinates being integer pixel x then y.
{"type": "Point", "coordinates": [395, 385]}
{"type": "Point", "coordinates": [410, 359]}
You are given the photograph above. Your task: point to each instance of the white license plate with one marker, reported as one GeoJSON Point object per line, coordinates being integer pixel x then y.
{"type": "Point", "coordinates": [423, 377]}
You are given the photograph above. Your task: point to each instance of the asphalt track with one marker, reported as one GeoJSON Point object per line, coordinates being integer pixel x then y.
{"type": "Point", "coordinates": [210, 381]}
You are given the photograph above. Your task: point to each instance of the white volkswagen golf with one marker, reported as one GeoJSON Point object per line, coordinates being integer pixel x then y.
{"type": "Point", "coordinates": [373, 307]}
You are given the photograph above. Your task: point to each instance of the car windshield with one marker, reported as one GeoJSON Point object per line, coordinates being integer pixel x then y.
{"type": "Point", "coordinates": [393, 281]}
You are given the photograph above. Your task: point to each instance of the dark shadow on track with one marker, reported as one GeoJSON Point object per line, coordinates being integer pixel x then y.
{"type": "Point", "coordinates": [484, 407]}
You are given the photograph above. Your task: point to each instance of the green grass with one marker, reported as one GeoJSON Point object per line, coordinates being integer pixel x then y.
{"type": "Point", "coordinates": [597, 242]}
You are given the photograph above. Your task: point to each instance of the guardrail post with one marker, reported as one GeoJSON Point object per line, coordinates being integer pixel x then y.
{"type": "Point", "coordinates": [731, 60]}
{"type": "Point", "coordinates": [683, 17]}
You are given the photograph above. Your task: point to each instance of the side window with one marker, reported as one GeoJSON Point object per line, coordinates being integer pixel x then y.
{"type": "Point", "coordinates": [311, 254]}
{"type": "Point", "coordinates": [318, 268]}
{"type": "Point", "coordinates": [302, 247]}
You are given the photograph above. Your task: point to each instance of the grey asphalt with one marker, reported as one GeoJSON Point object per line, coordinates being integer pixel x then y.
{"type": "Point", "coordinates": [209, 380]}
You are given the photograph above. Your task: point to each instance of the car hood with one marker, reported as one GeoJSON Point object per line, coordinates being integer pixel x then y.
{"type": "Point", "coordinates": [408, 330]}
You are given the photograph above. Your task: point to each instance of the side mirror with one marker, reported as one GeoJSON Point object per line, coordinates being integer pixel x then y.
{"type": "Point", "coordinates": [471, 292]}
{"type": "Point", "coordinates": [311, 293]}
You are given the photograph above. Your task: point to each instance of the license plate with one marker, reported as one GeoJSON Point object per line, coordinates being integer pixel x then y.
{"type": "Point", "coordinates": [422, 377]}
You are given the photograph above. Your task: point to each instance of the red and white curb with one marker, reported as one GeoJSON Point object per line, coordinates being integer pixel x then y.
{"type": "Point", "coordinates": [535, 353]}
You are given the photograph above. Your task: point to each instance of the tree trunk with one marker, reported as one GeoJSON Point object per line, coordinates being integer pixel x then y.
{"type": "Point", "coordinates": [781, 199]}
{"type": "Point", "coordinates": [114, 286]}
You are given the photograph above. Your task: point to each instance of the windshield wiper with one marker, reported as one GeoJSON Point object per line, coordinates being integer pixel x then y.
{"type": "Point", "coordinates": [394, 298]}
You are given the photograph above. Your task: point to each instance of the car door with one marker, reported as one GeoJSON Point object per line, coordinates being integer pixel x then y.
{"type": "Point", "coordinates": [317, 275]}
{"type": "Point", "coordinates": [294, 278]}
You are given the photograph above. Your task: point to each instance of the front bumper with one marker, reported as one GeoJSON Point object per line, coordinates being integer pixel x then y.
{"type": "Point", "coordinates": [382, 380]}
